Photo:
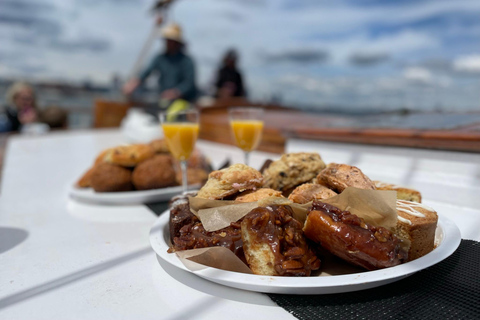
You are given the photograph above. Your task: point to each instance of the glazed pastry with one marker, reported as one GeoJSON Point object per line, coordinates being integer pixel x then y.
{"type": "Point", "coordinates": [402, 192]}
{"type": "Point", "coordinates": [232, 180]}
{"type": "Point", "coordinates": [274, 243]}
{"type": "Point", "coordinates": [352, 239]}
{"type": "Point", "coordinates": [310, 191]}
{"type": "Point", "coordinates": [187, 232]}
{"type": "Point", "coordinates": [340, 176]}
{"type": "Point", "coordinates": [291, 170]}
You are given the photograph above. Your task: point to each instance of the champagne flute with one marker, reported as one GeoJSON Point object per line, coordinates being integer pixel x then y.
{"type": "Point", "coordinates": [247, 127]}
{"type": "Point", "coordinates": [180, 130]}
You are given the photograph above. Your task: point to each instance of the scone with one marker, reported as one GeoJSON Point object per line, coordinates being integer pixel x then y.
{"type": "Point", "coordinates": [255, 195]}
{"type": "Point", "coordinates": [291, 170]}
{"type": "Point", "coordinates": [274, 243]}
{"type": "Point", "coordinates": [402, 192]}
{"type": "Point", "coordinates": [159, 146]}
{"type": "Point", "coordinates": [86, 180]}
{"type": "Point", "coordinates": [154, 173]}
{"type": "Point", "coordinates": [229, 181]}
{"type": "Point", "coordinates": [198, 160]}
{"type": "Point", "coordinates": [108, 177]}
{"type": "Point", "coordinates": [101, 156]}
{"type": "Point", "coordinates": [340, 176]}
{"type": "Point", "coordinates": [310, 191]}
{"type": "Point", "coordinates": [417, 223]}
{"type": "Point", "coordinates": [194, 176]}
{"type": "Point", "coordinates": [129, 156]}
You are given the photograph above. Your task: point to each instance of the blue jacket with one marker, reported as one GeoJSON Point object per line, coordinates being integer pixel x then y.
{"type": "Point", "coordinates": [176, 71]}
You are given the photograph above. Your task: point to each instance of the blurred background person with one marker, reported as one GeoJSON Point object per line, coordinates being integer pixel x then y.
{"type": "Point", "coordinates": [229, 80]}
{"type": "Point", "coordinates": [175, 70]}
{"type": "Point", "coordinates": [21, 108]}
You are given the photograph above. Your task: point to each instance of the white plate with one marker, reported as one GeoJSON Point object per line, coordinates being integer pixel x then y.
{"type": "Point", "coordinates": [127, 197]}
{"type": "Point", "coordinates": [448, 239]}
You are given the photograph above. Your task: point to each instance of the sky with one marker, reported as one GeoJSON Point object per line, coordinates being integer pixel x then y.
{"type": "Point", "coordinates": [353, 54]}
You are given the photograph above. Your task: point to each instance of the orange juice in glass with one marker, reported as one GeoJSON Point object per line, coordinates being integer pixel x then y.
{"type": "Point", "coordinates": [247, 133]}
{"type": "Point", "coordinates": [180, 131]}
{"type": "Point", "coordinates": [181, 138]}
{"type": "Point", "coordinates": [247, 127]}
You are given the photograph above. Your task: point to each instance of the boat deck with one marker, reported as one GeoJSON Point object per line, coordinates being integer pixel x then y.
{"type": "Point", "coordinates": [281, 125]}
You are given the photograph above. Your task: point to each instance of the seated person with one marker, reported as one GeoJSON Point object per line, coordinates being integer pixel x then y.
{"type": "Point", "coordinates": [21, 108]}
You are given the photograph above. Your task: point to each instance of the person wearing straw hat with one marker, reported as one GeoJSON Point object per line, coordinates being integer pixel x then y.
{"type": "Point", "coordinates": [177, 73]}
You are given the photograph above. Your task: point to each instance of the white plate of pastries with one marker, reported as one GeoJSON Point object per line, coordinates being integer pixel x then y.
{"type": "Point", "coordinates": [136, 174]}
{"type": "Point", "coordinates": [447, 235]}
{"type": "Point", "coordinates": [329, 250]}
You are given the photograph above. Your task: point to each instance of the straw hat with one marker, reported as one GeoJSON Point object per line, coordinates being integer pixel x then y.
{"type": "Point", "coordinates": [173, 32]}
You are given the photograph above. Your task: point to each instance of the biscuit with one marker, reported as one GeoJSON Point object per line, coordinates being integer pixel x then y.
{"type": "Point", "coordinates": [159, 146]}
{"type": "Point", "coordinates": [154, 173]}
{"type": "Point", "coordinates": [129, 156]}
{"type": "Point", "coordinates": [340, 176]}
{"type": "Point", "coordinates": [108, 177]}
{"type": "Point", "coordinates": [292, 169]}
{"type": "Point", "coordinates": [255, 195]}
{"type": "Point", "coordinates": [226, 182]}
{"type": "Point", "coordinates": [402, 192]}
{"type": "Point", "coordinates": [309, 191]}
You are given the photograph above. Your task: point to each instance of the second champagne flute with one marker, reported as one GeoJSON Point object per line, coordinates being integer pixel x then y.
{"type": "Point", "coordinates": [180, 130]}
{"type": "Point", "coordinates": [247, 127]}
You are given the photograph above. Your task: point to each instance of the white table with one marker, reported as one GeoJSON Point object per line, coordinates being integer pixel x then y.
{"type": "Point", "coordinates": [70, 260]}
{"type": "Point", "coordinates": [82, 261]}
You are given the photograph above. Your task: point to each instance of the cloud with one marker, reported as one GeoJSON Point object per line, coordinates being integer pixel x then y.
{"type": "Point", "coordinates": [467, 64]}
{"type": "Point", "coordinates": [252, 3]}
{"type": "Point", "coordinates": [25, 6]}
{"type": "Point", "coordinates": [299, 56]}
{"type": "Point", "coordinates": [37, 25]}
{"type": "Point", "coordinates": [75, 45]}
{"type": "Point", "coordinates": [368, 59]}
{"type": "Point", "coordinates": [417, 74]}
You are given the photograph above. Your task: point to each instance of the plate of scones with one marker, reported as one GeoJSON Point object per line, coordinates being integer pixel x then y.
{"type": "Point", "coordinates": [329, 247]}
{"type": "Point", "coordinates": [138, 173]}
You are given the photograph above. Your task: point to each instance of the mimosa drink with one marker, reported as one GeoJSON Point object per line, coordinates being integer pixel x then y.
{"type": "Point", "coordinates": [247, 127]}
{"type": "Point", "coordinates": [247, 133]}
{"type": "Point", "coordinates": [181, 138]}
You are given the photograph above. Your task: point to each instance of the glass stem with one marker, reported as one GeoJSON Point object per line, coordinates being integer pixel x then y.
{"type": "Point", "coordinates": [183, 166]}
{"type": "Point", "coordinates": [247, 157]}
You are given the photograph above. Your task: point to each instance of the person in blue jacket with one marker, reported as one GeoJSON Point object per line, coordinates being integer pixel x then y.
{"type": "Point", "coordinates": [176, 79]}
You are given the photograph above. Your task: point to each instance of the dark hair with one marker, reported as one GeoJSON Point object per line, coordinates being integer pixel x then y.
{"type": "Point", "coordinates": [231, 54]}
